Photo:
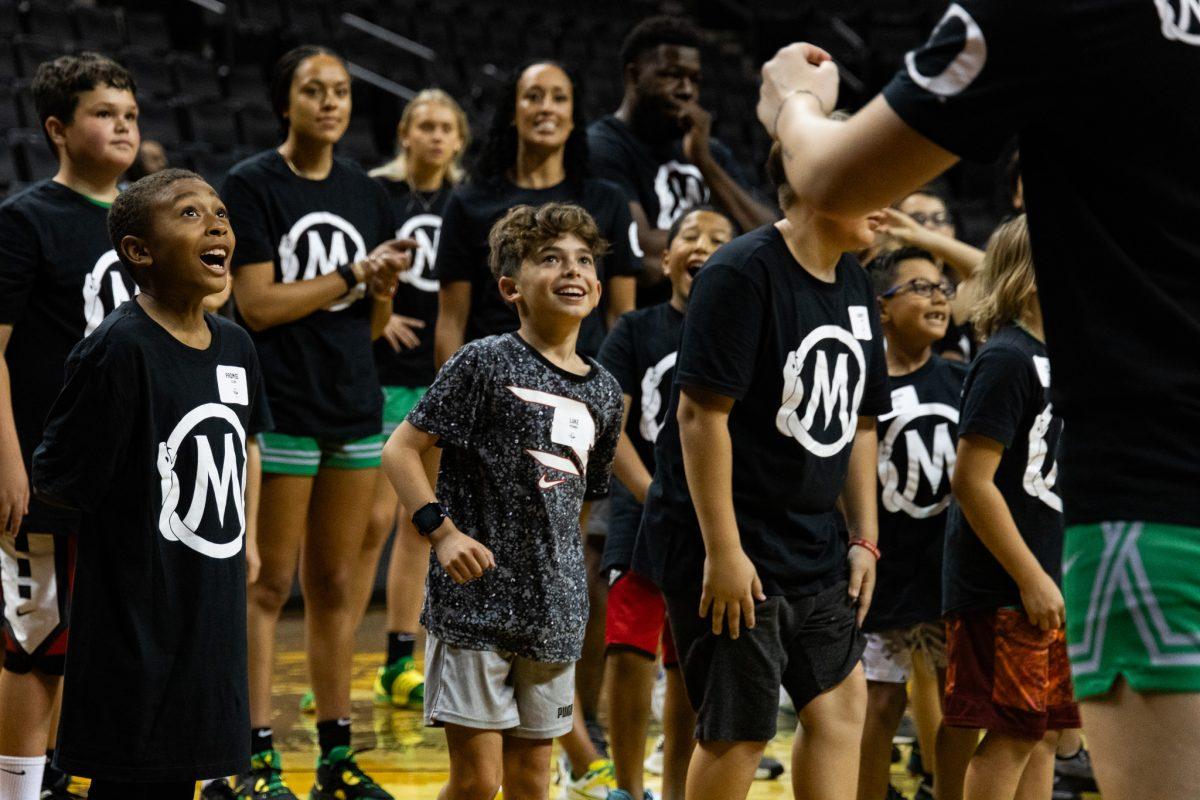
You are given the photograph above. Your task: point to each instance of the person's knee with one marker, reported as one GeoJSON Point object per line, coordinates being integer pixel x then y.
{"type": "Point", "coordinates": [527, 782]}
{"type": "Point", "coordinates": [270, 588]}
{"type": "Point", "coordinates": [383, 520]}
{"type": "Point", "coordinates": [327, 586]}
{"type": "Point", "coordinates": [475, 786]}
{"type": "Point", "coordinates": [885, 704]}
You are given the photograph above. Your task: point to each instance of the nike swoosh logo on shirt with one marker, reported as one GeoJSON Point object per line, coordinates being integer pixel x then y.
{"type": "Point", "coordinates": [1070, 562]}
{"type": "Point", "coordinates": [544, 483]}
{"type": "Point", "coordinates": [10, 772]}
{"type": "Point", "coordinates": [23, 611]}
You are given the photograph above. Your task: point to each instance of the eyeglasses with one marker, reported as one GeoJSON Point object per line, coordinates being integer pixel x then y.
{"type": "Point", "coordinates": [936, 218]}
{"type": "Point", "coordinates": [922, 287]}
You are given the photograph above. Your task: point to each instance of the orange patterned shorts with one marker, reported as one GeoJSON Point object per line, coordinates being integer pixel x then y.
{"type": "Point", "coordinates": [1007, 675]}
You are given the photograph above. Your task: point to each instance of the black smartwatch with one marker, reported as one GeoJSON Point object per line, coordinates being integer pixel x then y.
{"type": "Point", "coordinates": [429, 518]}
{"type": "Point", "coordinates": [347, 273]}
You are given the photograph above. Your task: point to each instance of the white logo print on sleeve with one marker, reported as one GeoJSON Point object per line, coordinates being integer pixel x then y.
{"type": "Point", "coordinates": [652, 398]}
{"type": "Point", "coordinates": [680, 187]}
{"type": "Point", "coordinates": [1180, 20]}
{"type": "Point", "coordinates": [1035, 483]}
{"type": "Point", "coordinates": [937, 466]}
{"type": "Point", "coordinates": [221, 483]}
{"type": "Point", "coordinates": [571, 426]}
{"type": "Point", "coordinates": [321, 236]}
{"type": "Point", "coordinates": [957, 33]}
{"type": "Point", "coordinates": [426, 229]}
{"type": "Point", "coordinates": [104, 288]}
{"type": "Point", "coordinates": [831, 392]}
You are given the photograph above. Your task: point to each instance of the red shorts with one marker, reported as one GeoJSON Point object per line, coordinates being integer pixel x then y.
{"type": "Point", "coordinates": [637, 618]}
{"type": "Point", "coordinates": [1005, 674]}
{"type": "Point", "coordinates": [36, 570]}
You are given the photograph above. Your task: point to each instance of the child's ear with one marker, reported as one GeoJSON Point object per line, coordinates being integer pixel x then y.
{"type": "Point", "coordinates": [883, 312]}
{"type": "Point", "coordinates": [56, 130]}
{"type": "Point", "coordinates": [133, 250]}
{"type": "Point", "coordinates": [508, 289]}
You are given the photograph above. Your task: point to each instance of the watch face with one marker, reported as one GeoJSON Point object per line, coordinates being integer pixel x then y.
{"type": "Point", "coordinates": [428, 518]}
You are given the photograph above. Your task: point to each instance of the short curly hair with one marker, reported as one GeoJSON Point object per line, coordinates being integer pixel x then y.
{"type": "Point", "coordinates": [58, 83]}
{"type": "Point", "coordinates": [524, 230]}
{"type": "Point", "coordinates": [654, 31]}
{"type": "Point", "coordinates": [131, 212]}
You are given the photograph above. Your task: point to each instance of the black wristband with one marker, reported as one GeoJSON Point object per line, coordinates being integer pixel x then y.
{"type": "Point", "coordinates": [347, 273]}
{"type": "Point", "coordinates": [429, 518]}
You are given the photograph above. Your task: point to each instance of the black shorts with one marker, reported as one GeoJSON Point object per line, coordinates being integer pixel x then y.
{"type": "Point", "coordinates": [807, 645]}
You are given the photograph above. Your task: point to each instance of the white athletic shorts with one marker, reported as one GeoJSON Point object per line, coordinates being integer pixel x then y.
{"type": "Point", "coordinates": [888, 657]}
{"type": "Point", "coordinates": [497, 691]}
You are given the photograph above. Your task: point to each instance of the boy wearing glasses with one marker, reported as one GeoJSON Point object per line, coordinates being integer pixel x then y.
{"type": "Point", "coordinates": [917, 442]}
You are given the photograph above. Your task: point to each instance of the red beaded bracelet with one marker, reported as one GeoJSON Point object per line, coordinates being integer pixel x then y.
{"type": "Point", "coordinates": [866, 545]}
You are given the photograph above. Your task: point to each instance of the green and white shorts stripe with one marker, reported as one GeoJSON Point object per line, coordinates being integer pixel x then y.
{"type": "Point", "coordinates": [306, 455]}
{"type": "Point", "coordinates": [1133, 606]}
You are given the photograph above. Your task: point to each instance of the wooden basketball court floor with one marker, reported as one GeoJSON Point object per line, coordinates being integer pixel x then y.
{"type": "Point", "coordinates": [408, 759]}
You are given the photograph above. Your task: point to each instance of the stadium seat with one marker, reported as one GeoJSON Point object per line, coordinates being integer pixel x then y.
{"type": "Point", "coordinates": [33, 158]}
{"type": "Point", "coordinates": [48, 19]}
{"type": "Point", "coordinates": [257, 126]}
{"type": "Point", "coordinates": [148, 32]}
{"type": "Point", "coordinates": [10, 112]}
{"type": "Point", "coordinates": [194, 76]}
{"type": "Point", "coordinates": [208, 121]}
{"type": "Point", "coordinates": [149, 70]}
{"type": "Point", "coordinates": [99, 28]}
{"type": "Point", "coordinates": [158, 120]}
{"type": "Point", "coordinates": [33, 50]}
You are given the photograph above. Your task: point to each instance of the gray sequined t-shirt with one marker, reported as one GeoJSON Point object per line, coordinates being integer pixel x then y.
{"type": "Point", "coordinates": [524, 444]}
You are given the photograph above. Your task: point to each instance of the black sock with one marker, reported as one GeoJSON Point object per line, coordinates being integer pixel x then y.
{"type": "Point", "coordinates": [400, 645]}
{"type": "Point", "coordinates": [333, 733]}
{"type": "Point", "coordinates": [261, 739]}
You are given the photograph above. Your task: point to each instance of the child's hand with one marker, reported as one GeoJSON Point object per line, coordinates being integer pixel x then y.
{"type": "Point", "coordinates": [1043, 602]}
{"type": "Point", "coordinates": [731, 586]}
{"type": "Point", "coordinates": [862, 579]}
{"type": "Point", "coordinates": [463, 558]}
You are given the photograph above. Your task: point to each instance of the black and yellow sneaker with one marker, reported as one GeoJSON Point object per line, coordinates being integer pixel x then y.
{"type": "Point", "coordinates": [340, 778]}
{"type": "Point", "coordinates": [264, 780]}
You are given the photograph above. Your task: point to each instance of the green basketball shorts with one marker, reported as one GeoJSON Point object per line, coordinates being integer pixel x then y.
{"type": "Point", "coordinates": [397, 402]}
{"type": "Point", "coordinates": [305, 455]}
{"type": "Point", "coordinates": [1133, 606]}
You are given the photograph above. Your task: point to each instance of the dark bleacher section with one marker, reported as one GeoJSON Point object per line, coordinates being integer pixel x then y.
{"type": "Point", "coordinates": [201, 65]}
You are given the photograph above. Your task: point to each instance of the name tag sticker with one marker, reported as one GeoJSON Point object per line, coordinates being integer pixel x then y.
{"type": "Point", "coordinates": [1042, 364]}
{"type": "Point", "coordinates": [904, 399]}
{"type": "Point", "coordinates": [231, 385]}
{"type": "Point", "coordinates": [860, 322]}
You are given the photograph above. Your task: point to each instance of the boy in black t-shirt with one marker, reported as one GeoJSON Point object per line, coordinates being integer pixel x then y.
{"type": "Point", "coordinates": [916, 458]}
{"type": "Point", "coordinates": [151, 440]}
{"type": "Point", "coordinates": [59, 277]}
{"type": "Point", "coordinates": [640, 352]}
{"type": "Point", "coordinates": [658, 148]}
{"type": "Point", "coordinates": [771, 430]}
{"type": "Point", "coordinates": [1007, 653]}
{"type": "Point", "coordinates": [528, 429]}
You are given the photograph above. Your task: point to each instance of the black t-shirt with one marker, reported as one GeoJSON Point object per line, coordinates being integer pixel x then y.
{"type": "Point", "coordinates": [654, 174]}
{"type": "Point", "coordinates": [320, 370]}
{"type": "Point", "coordinates": [640, 353]}
{"type": "Point", "coordinates": [463, 249]}
{"type": "Point", "coordinates": [524, 444]}
{"type": "Point", "coordinates": [59, 276]}
{"type": "Point", "coordinates": [1110, 170]}
{"type": "Point", "coordinates": [802, 359]}
{"type": "Point", "coordinates": [148, 441]}
{"type": "Point", "coordinates": [1006, 397]}
{"type": "Point", "coordinates": [418, 216]}
{"type": "Point", "coordinates": [917, 441]}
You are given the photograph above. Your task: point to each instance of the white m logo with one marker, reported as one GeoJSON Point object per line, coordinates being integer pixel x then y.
{"type": "Point", "coordinates": [222, 483]}
{"type": "Point", "coordinates": [426, 229]}
{"type": "Point", "coordinates": [680, 187]}
{"type": "Point", "coordinates": [652, 397]}
{"type": "Point", "coordinates": [934, 465]}
{"type": "Point", "coordinates": [1181, 25]}
{"type": "Point", "coordinates": [831, 392]}
{"type": "Point", "coordinates": [104, 288]}
{"type": "Point", "coordinates": [321, 259]}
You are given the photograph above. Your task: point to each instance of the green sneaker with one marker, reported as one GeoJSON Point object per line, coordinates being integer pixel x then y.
{"type": "Point", "coordinates": [340, 778]}
{"type": "Point", "coordinates": [400, 684]}
{"type": "Point", "coordinates": [308, 702]}
{"type": "Point", "coordinates": [264, 780]}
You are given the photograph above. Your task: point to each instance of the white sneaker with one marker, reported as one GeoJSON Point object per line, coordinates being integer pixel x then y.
{"type": "Point", "coordinates": [654, 761]}
{"type": "Point", "coordinates": [594, 784]}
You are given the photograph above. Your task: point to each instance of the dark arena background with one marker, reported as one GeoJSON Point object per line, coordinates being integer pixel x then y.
{"type": "Point", "coordinates": [201, 67]}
